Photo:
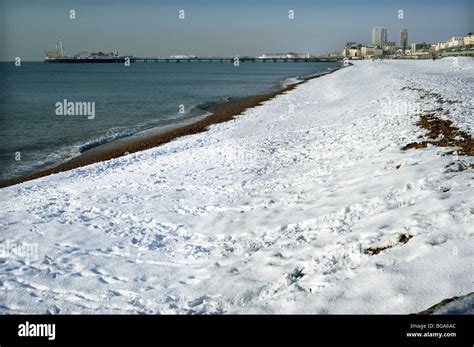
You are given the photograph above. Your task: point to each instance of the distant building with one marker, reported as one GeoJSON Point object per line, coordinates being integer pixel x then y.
{"type": "Point", "coordinates": [290, 55]}
{"type": "Point", "coordinates": [469, 39]}
{"type": "Point", "coordinates": [181, 56]}
{"type": "Point", "coordinates": [439, 46]}
{"type": "Point", "coordinates": [404, 38]}
{"type": "Point", "coordinates": [389, 48]}
{"type": "Point", "coordinates": [273, 56]}
{"type": "Point", "coordinates": [367, 51]}
{"type": "Point", "coordinates": [379, 36]}
{"type": "Point", "coordinates": [378, 52]}
{"type": "Point", "coordinates": [420, 48]}
{"type": "Point", "coordinates": [456, 41]}
{"type": "Point", "coordinates": [351, 52]}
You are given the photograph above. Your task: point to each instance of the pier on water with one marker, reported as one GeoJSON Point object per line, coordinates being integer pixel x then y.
{"type": "Point", "coordinates": [131, 59]}
{"type": "Point", "coordinates": [233, 59]}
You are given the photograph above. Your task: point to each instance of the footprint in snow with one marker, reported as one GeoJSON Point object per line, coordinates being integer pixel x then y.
{"type": "Point", "coordinates": [198, 301]}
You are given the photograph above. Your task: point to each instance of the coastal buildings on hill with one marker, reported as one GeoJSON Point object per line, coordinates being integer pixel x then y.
{"type": "Point", "coordinates": [380, 47]}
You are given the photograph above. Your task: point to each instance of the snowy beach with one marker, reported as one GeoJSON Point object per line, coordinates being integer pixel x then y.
{"type": "Point", "coordinates": [305, 204]}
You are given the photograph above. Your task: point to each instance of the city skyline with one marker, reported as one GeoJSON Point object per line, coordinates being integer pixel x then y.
{"type": "Point", "coordinates": [144, 28]}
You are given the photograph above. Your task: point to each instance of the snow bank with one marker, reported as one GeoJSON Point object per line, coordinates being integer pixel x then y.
{"type": "Point", "coordinates": [270, 213]}
{"type": "Point", "coordinates": [453, 306]}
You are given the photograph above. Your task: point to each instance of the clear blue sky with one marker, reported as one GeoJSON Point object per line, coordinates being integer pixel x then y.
{"type": "Point", "coordinates": [219, 27]}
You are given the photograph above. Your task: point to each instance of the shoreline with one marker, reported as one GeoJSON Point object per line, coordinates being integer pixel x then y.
{"type": "Point", "coordinates": [220, 113]}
